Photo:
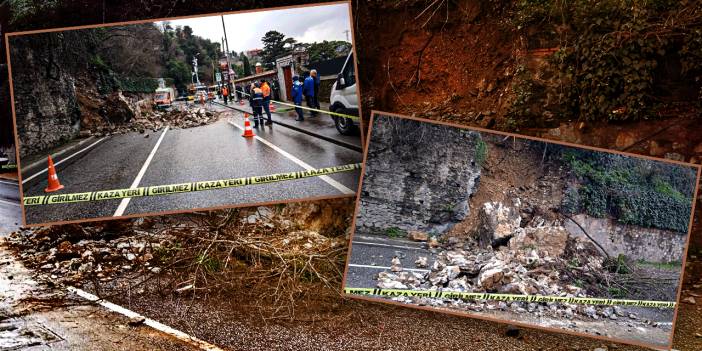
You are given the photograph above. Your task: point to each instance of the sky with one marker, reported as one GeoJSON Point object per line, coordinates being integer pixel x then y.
{"type": "Point", "coordinates": [245, 30]}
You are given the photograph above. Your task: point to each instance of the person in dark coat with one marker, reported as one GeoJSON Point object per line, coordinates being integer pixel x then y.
{"type": "Point", "coordinates": [308, 91]}
{"type": "Point", "coordinates": [297, 97]}
{"type": "Point", "coordinates": [317, 83]}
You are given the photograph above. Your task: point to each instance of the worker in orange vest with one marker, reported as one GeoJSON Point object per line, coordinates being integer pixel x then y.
{"type": "Point", "coordinates": [266, 89]}
{"type": "Point", "coordinates": [225, 93]}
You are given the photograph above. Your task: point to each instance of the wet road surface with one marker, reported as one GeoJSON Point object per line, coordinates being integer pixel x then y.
{"type": "Point", "coordinates": [371, 254]}
{"type": "Point", "coordinates": [211, 152]}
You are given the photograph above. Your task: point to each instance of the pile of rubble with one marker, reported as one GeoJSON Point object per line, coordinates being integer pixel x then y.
{"type": "Point", "coordinates": [119, 114]}
{"type": "Point", "coordinates": [505, 257]}
{"type": "Point", "coordinates": [75, 254]}
{"type": "Point", "coordinates": [104, 251]}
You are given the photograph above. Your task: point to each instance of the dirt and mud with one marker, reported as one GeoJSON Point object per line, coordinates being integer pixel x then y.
{"type": "Point", "coordinates": [458, 61]}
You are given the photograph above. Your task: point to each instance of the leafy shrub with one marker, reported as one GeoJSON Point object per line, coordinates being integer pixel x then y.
{"type": "Point", "coordinates": [612, 55]}
{"type": "Point", "coordinates": [632, 190]}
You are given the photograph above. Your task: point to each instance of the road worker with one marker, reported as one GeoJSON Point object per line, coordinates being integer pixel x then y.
{"type": "Point", "coordinates": [257, 104]}
{"type": "Point", "coordinates": [266, 89]}
{"type": "Point", "coordinates": [225, 93]}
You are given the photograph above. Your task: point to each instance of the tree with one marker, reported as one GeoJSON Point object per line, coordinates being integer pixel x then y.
{"type": "Point", "coordinates": [247, 66]}
{"type": "Point", "coordinates": [273, 47]}
{"type": "Point", "coordinates": [327, 50]}
{"type": "Point", "coordinates": [180, 72]}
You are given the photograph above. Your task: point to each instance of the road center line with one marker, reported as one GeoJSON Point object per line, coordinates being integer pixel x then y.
{"type": "Point", "coordinates": [329, 180]}
{"type": "Point", "coordinates": [125, 202]}
{"type": "Point", "coordinates": [63, 160]}
{"type": "Point", "coordinates": [191, 340]}
{"type": "Point", "coordinates": [388, 245]}
{"type": "Point", "coordinates": [388, 268]}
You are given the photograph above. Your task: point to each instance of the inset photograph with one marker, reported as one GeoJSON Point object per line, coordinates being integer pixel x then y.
{"type": "Point", "coordinates": [186, 113]}
{"type": "Point", "coordinates": [521, 230]}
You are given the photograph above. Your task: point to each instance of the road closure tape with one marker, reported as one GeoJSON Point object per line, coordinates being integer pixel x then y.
{"type": "Point", "coordinates": [469, 296]}
{"type": "Point", "coordinates": [183, 187]}
{"type": "Point", "coordinates": [312, 109]}
{"type": "Point", "coordinates": [8, 167]}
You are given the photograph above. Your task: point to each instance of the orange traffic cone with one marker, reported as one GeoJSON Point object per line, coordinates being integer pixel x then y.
{"type": "Point", "coordinates": [248, 131]}
{"type": "Point", "coordinates": [54, 184]}
{"type": "Point", "coordinates": [272, 107]}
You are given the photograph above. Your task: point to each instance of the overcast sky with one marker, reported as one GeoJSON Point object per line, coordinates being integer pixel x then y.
{"type": "Point", "coordinates": [245, 30]}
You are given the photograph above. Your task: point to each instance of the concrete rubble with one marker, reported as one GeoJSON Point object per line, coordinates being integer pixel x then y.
{"type": "Point", "coordinates": [506, 257]}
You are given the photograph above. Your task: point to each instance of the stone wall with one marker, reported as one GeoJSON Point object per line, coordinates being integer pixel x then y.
{"type": "Point", "coordinates": [639, 243]}
{"type": "Point", "coordinates": [46, 107]}
{"type": "Point", "coordinates": [418, 176]}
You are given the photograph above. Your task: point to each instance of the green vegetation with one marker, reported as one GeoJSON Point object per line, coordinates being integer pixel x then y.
{"type": "Point", "coordinates": [394, 232]}
{"type": "Point", "coordinates": [481, 152]}
{"type": "Point", "coordinates": [617, 60]}
{"type": "Point", "coordinates": [632, 190]}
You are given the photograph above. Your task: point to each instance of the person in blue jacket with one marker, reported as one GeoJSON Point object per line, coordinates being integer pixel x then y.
{"type": "Point", "coordinates": [308, 90]}
{"type": "Point", "coordinates": [297, 97]}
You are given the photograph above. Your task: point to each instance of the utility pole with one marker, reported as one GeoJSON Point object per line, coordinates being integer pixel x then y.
{"type": "Point", "coordinates": [347, 35]}
{"type": "Point", "coordinates": [226, 41]}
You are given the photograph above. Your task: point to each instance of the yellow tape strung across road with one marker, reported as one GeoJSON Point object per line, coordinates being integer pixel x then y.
{"type": "Point", "coordinates": [312, 109]}
{"type": "Point", "coordinates": [8, 167]}
{"type": "Point", "coordinates": [505, 297]}
{"type": "Point", "coordinates": [183, 187]}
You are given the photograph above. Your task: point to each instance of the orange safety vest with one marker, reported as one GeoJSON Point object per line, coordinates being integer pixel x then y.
{"type": "Point", "coordinates": [225, 92]}
{"type": "Point", "coordinates": [266, 90]}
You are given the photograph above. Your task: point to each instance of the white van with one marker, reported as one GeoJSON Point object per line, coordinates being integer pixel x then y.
{"type": "Point", "coordinates": [344, 99]}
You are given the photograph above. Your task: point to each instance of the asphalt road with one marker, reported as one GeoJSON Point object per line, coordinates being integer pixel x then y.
{"type": "Point", "coordinates": [10, 210]}
{"type": "Point", "coordinates": [371, 254]}
{"type": "Point", "coordinates": [212, 152]}
{"type": "Point", "coordinates": [321, 124]}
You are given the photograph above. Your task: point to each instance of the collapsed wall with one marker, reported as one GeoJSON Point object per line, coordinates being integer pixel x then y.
{"type": "Point", "coordinates": [418, 176]}
{"type": "Point", "coordinates": [46, 107]}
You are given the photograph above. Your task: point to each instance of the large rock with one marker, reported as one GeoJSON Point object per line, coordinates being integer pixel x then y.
{"type": "Point", "coordinates": [413, 182]}
{"type": "Point", "coordinates": [117, 109]}
{"type": "Point", "coordinates": [497, 223]}
{"type": "Point", "coordinates": [547, 240]}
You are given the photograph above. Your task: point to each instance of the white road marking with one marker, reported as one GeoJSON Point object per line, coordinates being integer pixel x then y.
{"type": "Point", "coordinates": [125, 202]}
{"type": "Point", "coordinates": [388, 268]}
{"type": "Point", "coordinates": [8, 183]}
{"type": "Point", "coordinates": [203, 345]}
{"type": "Point", "coordinates": [386, 245]}
{"type": "Point", "coordinates": [36, 163]}
{"type": "Point", "coordinates": [62, 161]}
{"type": "Point", "coordinates": [10, 203]}
{"type": "Point", "coordinates": [329, 180]}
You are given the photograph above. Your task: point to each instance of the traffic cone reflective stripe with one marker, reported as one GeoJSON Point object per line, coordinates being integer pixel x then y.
{"type": "Point", "coordinates": [54, 184]}
{"type": "Point", "coordinates": [248, 131]}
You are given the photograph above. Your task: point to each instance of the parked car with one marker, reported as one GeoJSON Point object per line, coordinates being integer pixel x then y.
{"type": "Point", "coordinates": [344, 98]}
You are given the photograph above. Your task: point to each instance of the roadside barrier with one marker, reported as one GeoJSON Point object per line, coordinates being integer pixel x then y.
{"type": "Point", "coordinates": [469, 296]}
{"type": "Point", "coordinates": [183, 187]}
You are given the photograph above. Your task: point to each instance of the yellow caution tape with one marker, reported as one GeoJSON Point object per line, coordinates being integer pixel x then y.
{"type": "Point", "coordinates": [505, 297]}
{"type": "Point", "coordinates": [313, 109]}
{"type": "Point", "coordinates": [8, 167]}
{"type": "Point", "coordinates": [183, 187]}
